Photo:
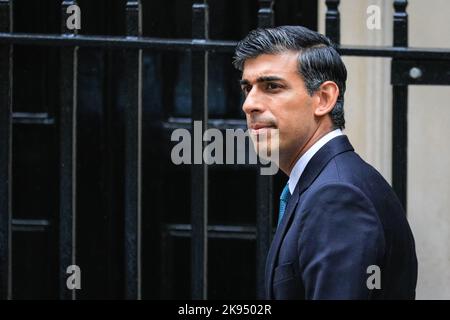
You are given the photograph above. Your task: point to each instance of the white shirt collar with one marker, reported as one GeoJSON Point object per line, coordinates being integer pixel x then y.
{"type": "Point", "coordinates": [301, 163]}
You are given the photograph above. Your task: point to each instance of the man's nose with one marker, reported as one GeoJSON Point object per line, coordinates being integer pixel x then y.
{"type": "Point", "coordinates": [253, 103]}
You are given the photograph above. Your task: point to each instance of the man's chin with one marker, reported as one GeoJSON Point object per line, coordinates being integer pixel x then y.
{"type": "Point", "coordinates": [267, 155]}
{"type": "Point", "coordinates": [266, 143]}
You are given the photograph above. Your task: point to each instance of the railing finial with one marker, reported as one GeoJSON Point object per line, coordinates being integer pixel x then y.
{"type": "Point", "coordinates": [333, 21]}
{"type": "Point", "coordinates": [265, 13]}
{"type": "Point", "coordinates": [400, 23]}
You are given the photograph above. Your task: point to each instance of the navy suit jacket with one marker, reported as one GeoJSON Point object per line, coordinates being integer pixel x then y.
{"type": "Point", "coordinates": [342, 218]}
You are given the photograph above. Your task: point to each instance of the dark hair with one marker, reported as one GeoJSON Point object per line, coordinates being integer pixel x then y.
{"type": "Point", "coordinates": [318, 59]}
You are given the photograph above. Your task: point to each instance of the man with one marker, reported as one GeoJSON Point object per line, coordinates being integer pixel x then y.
{"type": "Point", "coordinates": [342, 232]}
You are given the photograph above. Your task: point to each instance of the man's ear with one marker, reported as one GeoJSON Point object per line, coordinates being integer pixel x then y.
{"type": "Point", "coordinates": [327, 95]}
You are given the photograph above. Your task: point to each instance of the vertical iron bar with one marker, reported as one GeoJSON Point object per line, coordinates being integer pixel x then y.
{"type": "Point", "coordinates": [264, 185]}
{"type": "Point", "coordinates": [68, 157]}
{"type": "Point", "coordinates": [199, 171]}
{"type": "Point", "coordinates": [6, 85]}
{"type": "Point", "coordinates": [133, 154]}
{"type": "Point", "coordinates": [400, 110]}
{"type": "Point", "coordinates": [167, 266]}
{"type": "Point", "coordinates": [332, 21]}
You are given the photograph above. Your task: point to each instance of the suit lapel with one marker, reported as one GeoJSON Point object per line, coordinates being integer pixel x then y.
{"type": "Point", "coordinates": [276, 243]}
{"type": "Point", "coordinates": [332, 148]}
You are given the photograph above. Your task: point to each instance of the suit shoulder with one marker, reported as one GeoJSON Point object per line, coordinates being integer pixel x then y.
{"type": "Point", "coordinates": [351, 167]}
{"type": "Point", "coordinates": [338, 194]}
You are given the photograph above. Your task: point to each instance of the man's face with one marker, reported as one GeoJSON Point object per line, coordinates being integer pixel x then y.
{"type": "Point", "coordinates": [276, 98]}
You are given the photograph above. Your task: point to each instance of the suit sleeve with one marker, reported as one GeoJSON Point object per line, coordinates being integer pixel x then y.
{"type": "Point", "coordinates": [341, 237]}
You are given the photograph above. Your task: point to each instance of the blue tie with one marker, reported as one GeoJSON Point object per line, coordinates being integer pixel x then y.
{"type": "Point", "coordinates": [284, 198]}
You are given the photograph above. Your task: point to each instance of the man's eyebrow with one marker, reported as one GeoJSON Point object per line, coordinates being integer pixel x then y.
{"type": "Point", "coordinates": [244, 82]}
{"type": "Point", "coordinates": [261, 79]}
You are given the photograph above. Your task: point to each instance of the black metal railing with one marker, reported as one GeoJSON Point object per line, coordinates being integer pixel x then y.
{"type": "Point", "coordinates": [199, 172]}
{"type": "Point", "coordinates": [400, 108]}
{"type": "Point", "coordinates": [6, 65]}
{"type": "Point", "coordinates": [403, 60]}
{"type": "Point", "coordinates": [133, 155]}
{"type": "Point", "coordinates": [68, 157]}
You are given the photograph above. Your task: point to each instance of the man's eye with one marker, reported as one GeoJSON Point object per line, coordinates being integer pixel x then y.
{"type": "Point", "coordinates": [273, 86]}
{"type": "Point", "coordinates": [246, 89]}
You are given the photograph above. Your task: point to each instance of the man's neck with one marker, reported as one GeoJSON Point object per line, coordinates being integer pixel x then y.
{"type": "Point", "coordinates": [303, 161]}
{"type": "Point", "coordinates": [316, 136]}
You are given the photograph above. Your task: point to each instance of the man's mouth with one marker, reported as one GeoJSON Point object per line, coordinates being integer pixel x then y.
{"type": "Point", "coordinates": [259, 128]}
